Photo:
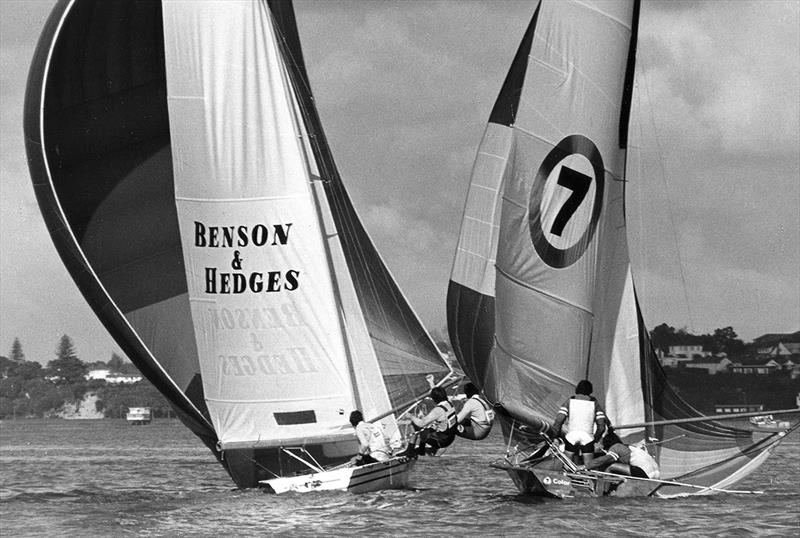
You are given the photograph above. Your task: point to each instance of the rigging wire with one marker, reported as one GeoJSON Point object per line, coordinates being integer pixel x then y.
{"type": "Point", "coordinates": [369, 272]}
{"type": "Point", "coordinates": [662, 173]}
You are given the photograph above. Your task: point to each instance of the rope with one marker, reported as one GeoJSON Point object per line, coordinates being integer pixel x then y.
{"type": "Point", "coordinates": [674, 483]}
{"type": "Point", "coordinates": [568, 464]}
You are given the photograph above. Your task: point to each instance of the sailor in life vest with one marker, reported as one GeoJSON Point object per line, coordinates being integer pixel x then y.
{"type": "Point", "coordinates": [581, 413]}
{"type": "Point", "coordinates": [437, 429]}
{"type": "Point", "coordinates": [628, 460]}
{"type": "Point", "coordinates": [372, 445]}
{"type": "Point", "coordinates": [476, 416]}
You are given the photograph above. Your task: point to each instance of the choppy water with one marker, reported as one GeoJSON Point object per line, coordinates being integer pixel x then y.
{"type": "Point", "coordinates": [106, 478]}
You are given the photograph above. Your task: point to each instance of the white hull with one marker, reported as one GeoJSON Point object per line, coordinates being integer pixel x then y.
{"type": "Point", "coordinates": [138, 416]}
{"type": "Point", "coordinates": [390, 474]}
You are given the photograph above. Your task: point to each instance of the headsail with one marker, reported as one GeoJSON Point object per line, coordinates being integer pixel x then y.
{"type": "Point", "coordinates": [182, 170]}
{"type": "Point", "coordinates": [541, 292]}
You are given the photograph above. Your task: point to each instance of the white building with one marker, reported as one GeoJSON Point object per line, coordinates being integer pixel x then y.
{"type": "Point", "coordinates": [98, 374]}
{"type": "Point", "coordinates": [113, 378]}
{"type": "Point", "coordinates": [688, 351]}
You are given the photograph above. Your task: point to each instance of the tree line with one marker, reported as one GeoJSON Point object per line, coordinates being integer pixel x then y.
{"type": "Point", "coordinates": [723, 340]}
{"type": "Point", "coordinates": [28, 389]}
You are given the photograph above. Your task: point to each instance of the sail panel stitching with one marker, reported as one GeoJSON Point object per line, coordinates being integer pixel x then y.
{"type": "Point", "coordinates": [542, 292]}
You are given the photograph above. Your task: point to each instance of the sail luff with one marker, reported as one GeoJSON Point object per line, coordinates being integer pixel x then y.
{"type": "Point", "coordinates": [318, 196]}
{"type": "Point", "coordinates": [329, 231]}
{"type": "Point", "coordinates": [405, 351]}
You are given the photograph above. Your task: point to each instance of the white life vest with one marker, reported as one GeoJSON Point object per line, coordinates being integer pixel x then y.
{"type": "Point", "coordinates": [487, 411]}
{"type": "Point", "coordinates": [378, 447]}
{"type": "Point", "coordinates": [448, 422]}
{"type": "Point", "coordinates": [643, 460]}
{"type": "Point", "coordinates": [581, 417]}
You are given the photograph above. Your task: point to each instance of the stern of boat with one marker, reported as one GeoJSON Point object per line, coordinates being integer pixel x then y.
{"type": "Point", "coordinates": [390, 474]}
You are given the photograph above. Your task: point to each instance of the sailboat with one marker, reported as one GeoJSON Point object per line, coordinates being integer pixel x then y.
{"type": "Point", "coordinates": [541, 293]}
{"type": "Point", "coordinates": [183, 174]}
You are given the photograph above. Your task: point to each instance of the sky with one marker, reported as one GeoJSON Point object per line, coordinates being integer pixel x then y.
{"type": "Point", "coordinates": [404, 90]}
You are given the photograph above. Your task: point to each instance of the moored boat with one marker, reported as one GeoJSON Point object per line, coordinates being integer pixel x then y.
{"type": "Point", "coordinates": [138, 416]}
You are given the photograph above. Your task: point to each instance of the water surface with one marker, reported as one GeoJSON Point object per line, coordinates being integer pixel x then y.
{"type": "Point", "coordinates": [107, 478]}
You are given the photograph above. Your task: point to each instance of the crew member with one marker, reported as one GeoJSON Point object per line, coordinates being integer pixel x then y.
{"type": "Point", "coordinates": [476, 416]}
{"type": "Point", "coordinates": [372, 445]}
{"type": "Point", "coordinates": [584, 413]}
{"type": "Point", "coordinates": [628, 460]}
{"type": "Point", "coordinates": [437, 429]}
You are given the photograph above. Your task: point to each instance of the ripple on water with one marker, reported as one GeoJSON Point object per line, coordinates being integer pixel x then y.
{"type": "Point", "coordinates": [108, 480]}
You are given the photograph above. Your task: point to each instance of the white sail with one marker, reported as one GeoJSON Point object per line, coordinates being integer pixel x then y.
{"type": "Point", "coordinates": [269, 340]}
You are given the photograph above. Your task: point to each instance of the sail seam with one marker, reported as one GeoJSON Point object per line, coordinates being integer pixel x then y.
{"type": "Point", "coordinates": [229, 200]}
{"type": "Point", "coordinates": [541, 292]}
{"type": "Point", "coordinates": [528, 364]}
{"type": "Point", "coordinates": [493, 156]}
{"type": "Point", "coordinates": [283, 400]}
{"type": "Point", "coordinates": [475, 219]}
{"type": "Point", "coordinates": [515, 203]}
{"type": "Point", "coordinates": [486, 187]}
{"type": "Point", "coordinates": [476, 254]}
{"type": "Point", "coordinates": [537, 137]}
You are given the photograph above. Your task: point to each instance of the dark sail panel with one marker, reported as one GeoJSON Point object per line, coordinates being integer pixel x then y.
{"type": "Point", "coordinates": [97, 140]}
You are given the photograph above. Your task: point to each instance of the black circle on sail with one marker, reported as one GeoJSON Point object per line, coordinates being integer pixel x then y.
{"type": "Point", "coordinates": [579, 184]}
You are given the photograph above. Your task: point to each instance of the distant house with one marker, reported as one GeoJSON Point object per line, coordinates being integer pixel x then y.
{"type": "Point", "coordinates": [755, 366]}
{"type": "Point", "coordinates": [688, 351]}
{"type": "Point", "coordinates": [712, 365]}
{"type": "Point", "coordinates": [98, 374]}
{"type": "Point", "coordinates": [113, 378]}
{"type": "Point", "coordinates": [123, 379]}
{"type": "Point", "coordinates": [775, 350]}
{"type": "Point", "coordinates": [791, 365]}
{"type": "Point", "coordinates": [721, 409]}
{"type": "Point", "coordinates": [672, 361]}
{"type": "Point", "coordinates": [788, 341]}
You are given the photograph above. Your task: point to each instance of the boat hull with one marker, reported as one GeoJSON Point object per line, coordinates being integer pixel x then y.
{"type": "Point", "coordinates": [138, 416]}
{"type": "Point", "coordinates": [536, 481]}
{"type": "Point", "coordinates": [138, 421]}
{"type": "Point", "coordinates": [390, 474]}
